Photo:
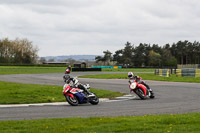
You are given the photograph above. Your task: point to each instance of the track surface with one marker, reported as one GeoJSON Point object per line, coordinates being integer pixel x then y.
{"type": "Point", "coordinates": [171, 98]}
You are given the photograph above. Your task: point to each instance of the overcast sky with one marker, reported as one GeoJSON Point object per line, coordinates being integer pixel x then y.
{"type": "Point", "coordinates": [72, 27]}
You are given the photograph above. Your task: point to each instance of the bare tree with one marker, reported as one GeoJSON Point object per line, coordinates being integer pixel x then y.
{"type": "Point", "coordinates": [17, 51]}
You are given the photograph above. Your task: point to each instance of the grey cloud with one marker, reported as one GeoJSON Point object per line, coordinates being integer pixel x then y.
{"type": "Point", "coordinates": [98, 25]}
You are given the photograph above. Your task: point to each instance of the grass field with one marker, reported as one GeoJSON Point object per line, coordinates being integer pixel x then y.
{"type": "Point", "coordinates": [145, 76]}
{"type": "Point", "coordinates": [179, 123]}
{"type": "Point", "coordinates": [17, 93]}
{"type": "Point", "coordinates": [31, 69]}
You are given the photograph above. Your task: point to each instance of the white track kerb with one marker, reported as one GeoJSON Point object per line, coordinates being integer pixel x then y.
{"type": "Point", "coordinates": [122, 98]}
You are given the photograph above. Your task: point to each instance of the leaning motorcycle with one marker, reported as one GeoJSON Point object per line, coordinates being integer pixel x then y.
{"type": "Point", "coordinates": [140, 90]}
{"type": "Point", "coordinates": [76, 96]}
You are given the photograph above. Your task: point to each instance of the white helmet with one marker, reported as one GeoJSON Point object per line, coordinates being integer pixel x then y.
{"type": "Point", "coordinates": [130, 74]}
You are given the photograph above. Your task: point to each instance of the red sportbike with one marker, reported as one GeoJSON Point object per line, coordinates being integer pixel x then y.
{"type": "Point", "coordinates": [140, 90]}
{"type": "Point", "coordinates": [75, 96]}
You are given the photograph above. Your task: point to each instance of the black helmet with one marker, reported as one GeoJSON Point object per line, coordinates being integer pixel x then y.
{"type": "Point", "coordinates": [66, 77]}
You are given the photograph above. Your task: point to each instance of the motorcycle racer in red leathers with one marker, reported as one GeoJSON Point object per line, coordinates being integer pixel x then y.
{"type": "Point", "coordinates": [140, 81]}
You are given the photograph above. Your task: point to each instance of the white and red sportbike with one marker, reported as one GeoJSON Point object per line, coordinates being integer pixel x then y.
{"type": "Point", "coordinates": [140, 90]}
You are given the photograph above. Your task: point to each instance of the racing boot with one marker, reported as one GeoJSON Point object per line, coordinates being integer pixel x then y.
{"type": "Point", "coordinates": [152, 94]}
{"type": "Point", "coordinates": [88, 93]}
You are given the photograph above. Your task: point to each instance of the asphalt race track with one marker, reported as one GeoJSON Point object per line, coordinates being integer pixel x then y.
{"type": "Point", "coordinates": [171, 98]}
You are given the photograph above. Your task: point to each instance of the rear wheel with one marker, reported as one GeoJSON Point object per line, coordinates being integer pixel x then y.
{"type": "Point", "coordinates": [140, 93]}
{"type": "Point", "coordinates": [72, 101]}
{"type": "Point", "coordinates": [94, 100]}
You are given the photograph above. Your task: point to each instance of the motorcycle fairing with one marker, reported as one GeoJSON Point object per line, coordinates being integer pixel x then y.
{"type": "Point", "coordinates": [133, 85]}
{"type": "Point", "coordinates": [66, 88]}
{"type": "Point", "coordinates": [75, 90]}
{"type": "Point", "coordinates": [81, 97]}
{"type": "Point", "coordinates": [70, 94]}
{"type": "Point", "coordinates": [143, 88]}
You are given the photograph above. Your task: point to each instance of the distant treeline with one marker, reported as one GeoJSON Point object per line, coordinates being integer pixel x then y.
{"type": "Point", "coordinates": [17, 51]}
{"type": "Point", "coordinates": [182, 52]}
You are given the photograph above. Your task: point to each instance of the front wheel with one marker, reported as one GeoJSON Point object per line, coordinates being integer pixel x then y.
{"type": "Point", "coordinates": [94, 100]}
{"type": "Point", "coordinates": [140, 93]}
{"type": "Point", "coordinates": [72, 101]}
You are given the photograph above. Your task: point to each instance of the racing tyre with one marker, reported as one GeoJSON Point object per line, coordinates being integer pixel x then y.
{"type": "Point", "coordinates": [72, 101]}
{"type": "Point", "coordinates": [95, 100]}
{"type": "Point", "coordinates": [140, 93]}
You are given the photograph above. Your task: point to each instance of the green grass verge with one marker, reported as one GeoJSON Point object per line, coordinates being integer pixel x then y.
{"type": "Point", "coordinates": [17, 93]}
{"type": "Point", "coordinates": [145, 76]}
{"type": "Point", "coordinates": [30, 69]}
{"type": "Point", "coordinates": [179, 123]}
